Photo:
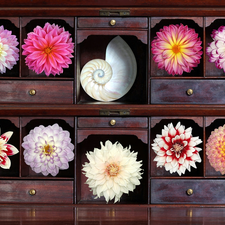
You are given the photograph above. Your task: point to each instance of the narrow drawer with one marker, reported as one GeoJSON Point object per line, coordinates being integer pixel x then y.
{"type": "Point", "coordinates": [36, 91]}
{"type": "Point", "coordinates": [172, 91]}
{"type": "Point", "coordinates": [119, 22]}
{"type": "Point", "coordinates": [140, 122]}
{"type": "Point", "coordinates": [43, 191]}
{"type": "Point", "coordinates": [169, 191]}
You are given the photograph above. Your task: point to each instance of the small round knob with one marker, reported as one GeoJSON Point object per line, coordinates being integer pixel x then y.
{"type": "Point", "coordinates": [112, 122]}
{"type": "Point", "coordinates": [112, 22]}
{"type": "Point", "coordinates": [189, 192]}
{"type": "Point", "coordinates": [32, 191]}
{"type": "Point", "coordinates": [190, 92]}
{"type": "Point", "coordinates": [32, 92]}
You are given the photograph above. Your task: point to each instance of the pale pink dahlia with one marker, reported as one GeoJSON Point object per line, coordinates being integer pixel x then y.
{"type": "Point", "coordinates": [176, 48]}
{"type": "Point", "coordinates": [48, 49]}
{"type": "Point", "coordinates": [215, 149]}
{"type": "Point", "coordinates": [9, 53]}
{"type": "Point", "coordinates": [216, 49]}
{"type": "Point", "coordinates": [6, 150]}
{"type": "Point", "coordinates": [176, 149]}
{"type": "Point", "coordinates": [48, 149]}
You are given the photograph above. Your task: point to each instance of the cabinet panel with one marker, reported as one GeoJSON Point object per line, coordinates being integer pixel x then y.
{"type": "Point", "coordinates": [176, 191]}
{"type": "Point", "coordinates": [173, 91]}
{"type": "Point", "coordinates": [36, 91]}
{"type": "Point", "coordinates": [44, 191]}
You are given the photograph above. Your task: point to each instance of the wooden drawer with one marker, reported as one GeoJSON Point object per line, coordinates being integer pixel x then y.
{"type": "Point", "coordinates": [139, 122]}
{"type": "Point", "coordinates": [92, 22]}
{"type": "Point", "coordinates": [44, 91]}
{"type": "Point", "coordinates": [169, 191]}
{"type": "Point", "coordinates": [172, 91]}
{"type": "Point", "coordinates": [46, 191]}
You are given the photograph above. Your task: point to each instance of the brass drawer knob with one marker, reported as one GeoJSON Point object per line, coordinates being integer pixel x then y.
{"type": "Point", "coordinates": [190, 92]}
{"type": "Point", "coordinates": [112, 22]}
{"type": "Point", "coordinates": [32, 92]}
{"type": "Point", "coordinates": [112, 122]}
{"type": "Point", "coordinates": [189, 192]}
{"type": "Point", "coordinates": [32, 192]}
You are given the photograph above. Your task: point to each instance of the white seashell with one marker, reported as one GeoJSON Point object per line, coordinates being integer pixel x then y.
{"type": "Point", "coordinates": [112, 78]}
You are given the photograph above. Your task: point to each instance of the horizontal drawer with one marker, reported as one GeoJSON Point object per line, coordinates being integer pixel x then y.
{"type": "Point", "coordinates": [206, 191]}
{"type": "Point", "coordinates": [36, 91]}
{"type": "Point", "coordinates": [93, 22]}
{"type": "Point", "coordinates": [140, 122]}
{"type": "Point", "coordinates": [44, 191]}
{"type": "Point", "coordinates": [181, 91]}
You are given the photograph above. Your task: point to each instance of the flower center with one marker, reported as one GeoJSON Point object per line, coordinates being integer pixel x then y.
{"type": "Point", "coordinates": [48, 149]}
{"type": "Point", "coordinates": [48, 50]}
{"type": "Point", "coordinates": [112, 169]}
{"type": "Point", "coordinates": [177, 147]}
{"type": "Point", "coordinates": [176, 49]}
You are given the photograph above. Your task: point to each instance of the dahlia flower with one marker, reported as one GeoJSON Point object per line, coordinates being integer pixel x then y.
{"type": "Point", "coordinates": [48, 49]}
{"type": "Point", "coordinates": [6, 150]}
{"type": "Point", "coordinates": [215, 149]}
{"type": "Point", "coordinates": [176, 149]}
{"type": "Point", "coordinates": [216, 49]}
{"type": "Point", "coordinates": [48, 149]}
{"type": "Point", "coordinates": [176, 48]}
{"type": "Point", "coordinates": [112, 171]}
{"type": "Point", "coordinates": [9, 53]}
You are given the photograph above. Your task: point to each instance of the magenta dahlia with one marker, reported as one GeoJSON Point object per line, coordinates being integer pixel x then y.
{"type": "Point", "coordinates": [215, 149]}
{"type": "Point", "coordinates": [176, 149]}
{"type": "Point", "coordinates": [48, 149]}
{"type": "Point", "coordinates": [9, 53]}
{"type": "Point", "coordinates": [177, 49]}
{"type": "Point", "coordinates": [216, 49]}
{"type": "Point", "coordinates": [48, 49]}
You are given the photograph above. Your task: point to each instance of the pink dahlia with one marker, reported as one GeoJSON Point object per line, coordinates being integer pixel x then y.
{"type": "Point", "coordinates": [176, 149]}
{"type": "Point", "coordinates": [176, 48]}
{"type": "Point", "coordinates": [215, 149]}
{"type": "Point", "coordinates": [9, 53]}
{"type": "Point", "coordinates": [48, 49]}
{"type": "Point", "coordinates": [6, 150]}
{"type": "Point", "coordinates": [216, 49]}
{"type": "Point", "coordinates": [48, 149]}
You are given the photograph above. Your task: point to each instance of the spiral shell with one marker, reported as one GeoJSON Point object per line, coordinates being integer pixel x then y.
{"type": "Point", "coordinates": [112, 78]}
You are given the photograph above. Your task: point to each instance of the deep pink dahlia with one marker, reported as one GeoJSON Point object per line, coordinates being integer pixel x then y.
{"type": "Point", "coordinates": [48, 49]}
{"type": "Point", "coordinates": [216, 49]}
{"type": "Point", "coordinates": [176, 149]}
{"type": "Point", "coordinates": [9, 53]}
{"type": "Point", "coordinates": [6, 150]}
{"type": "Point", "coordinates": [176, 48]}
{"type": "Point", "coordinates": [48, 149]}
{"type": "Point", "coordinates": [215, 149]}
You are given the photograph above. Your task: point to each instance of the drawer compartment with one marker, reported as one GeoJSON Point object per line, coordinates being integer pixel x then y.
{"type": "Point", "coordinates": [93, 22]}
{"type": "Point", "coordinates": [140, 122]}
{"type": "Point", "coordinates": [36, 91]}
{"type": "Point", "coordinates": [43, 191]}
{"type": "Point", "coordinates": [169, 191]}
{"type": "Point", "coordinates": [172, 91]}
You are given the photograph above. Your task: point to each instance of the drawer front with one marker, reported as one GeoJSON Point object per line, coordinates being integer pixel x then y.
{"type": "Point", "coordinates": [172, 91]}
{"type": "Point", "coordinates": [134, 122]}
{"type": "Point", "coordinates": [45, 191]}
{"type": "Point", "coordinates": [167, 191]}
{"type": "Point", "coordinates": [93, 22]}
{"type": "Point", "coordinates": [36, 92]}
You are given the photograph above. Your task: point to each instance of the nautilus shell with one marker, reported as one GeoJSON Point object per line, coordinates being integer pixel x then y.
{"type": "Point", "coordinates": [112, 78]}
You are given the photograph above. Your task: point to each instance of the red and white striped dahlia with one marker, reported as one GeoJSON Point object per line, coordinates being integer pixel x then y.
{"type": "Point", "coordinates": [176, 149]}
{"type": "Point", "coordinates": [215, 149]}
{"type": "Point", "coordinates": [177, 49]}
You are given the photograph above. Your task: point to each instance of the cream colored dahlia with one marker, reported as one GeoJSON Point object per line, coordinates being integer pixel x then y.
{"type": "Point", "coordinates": [176, 149]}
{"type": "Point", "coordinates": [112, 171]}
{"type": "Point", "coordinates": [215, 149]}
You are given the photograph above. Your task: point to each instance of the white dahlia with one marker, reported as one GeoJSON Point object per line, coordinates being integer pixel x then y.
{"type": "Point", "coordinates": [112, 171]}
{"type": "Point", "coordinates": [176, 149]}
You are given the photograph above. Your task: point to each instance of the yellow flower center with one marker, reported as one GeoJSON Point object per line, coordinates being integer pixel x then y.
{"type": "Point", "coordinates": [48, 50]}
{"type": "Point", "coordinates": [222, 148]}
{"type": "Point", "coordinates": [112, 169]}
{"type": "Point", "coordinates": [177, 147]}
{"type": "Point", "coordinates": [176, 49]}
{"type": "Point", "coordinates": [48, 149]}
